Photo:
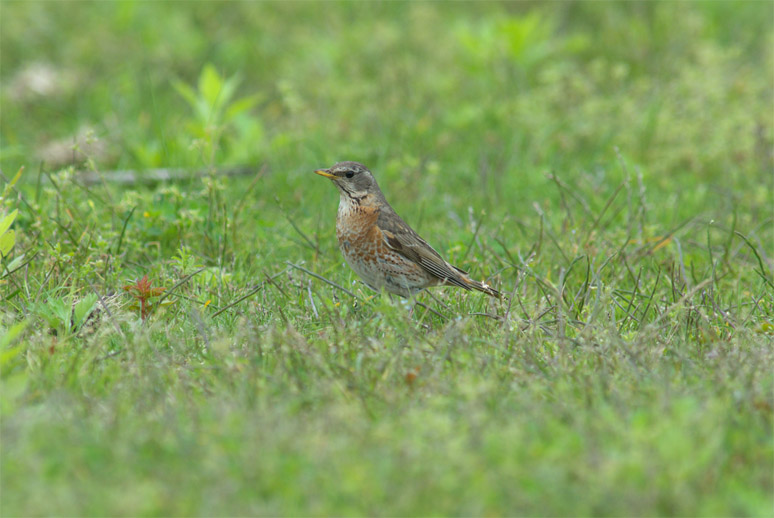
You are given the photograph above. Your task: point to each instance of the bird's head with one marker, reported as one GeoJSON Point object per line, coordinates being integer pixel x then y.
{"type": "Point", "coordinates": [352, 179]}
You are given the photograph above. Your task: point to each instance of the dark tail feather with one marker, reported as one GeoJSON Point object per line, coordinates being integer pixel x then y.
{"type": "Point", "coordinates": [482, 286]}
{"type": "Point", "coordinates": [466, 282]}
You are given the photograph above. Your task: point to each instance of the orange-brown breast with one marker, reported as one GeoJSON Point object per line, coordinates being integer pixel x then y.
{"type": "Point", "coordinates": [356, 230]}
{"type": "Point", "coordinates": [366, 251]}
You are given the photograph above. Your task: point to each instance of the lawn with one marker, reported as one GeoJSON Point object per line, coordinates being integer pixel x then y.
{"type": "Point", "coordinates": [179, 333]}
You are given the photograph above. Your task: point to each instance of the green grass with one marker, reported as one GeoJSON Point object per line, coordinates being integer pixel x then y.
{"type": "Point", "coordinates": [608, 166]}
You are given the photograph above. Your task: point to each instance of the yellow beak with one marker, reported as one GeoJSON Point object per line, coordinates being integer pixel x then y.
{"type": "Point", "coordinates": [325, 173]}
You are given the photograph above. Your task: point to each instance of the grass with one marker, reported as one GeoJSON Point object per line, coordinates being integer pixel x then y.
{"type": "Point", "coordinates": [607, 166]}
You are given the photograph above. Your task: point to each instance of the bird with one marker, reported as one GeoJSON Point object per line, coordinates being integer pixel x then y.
{"type": "Point", "coordinates": [382, 248]}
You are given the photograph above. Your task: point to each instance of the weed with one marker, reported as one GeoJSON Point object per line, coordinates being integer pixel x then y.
{"type": "Point", "coordinates": [143, 291]}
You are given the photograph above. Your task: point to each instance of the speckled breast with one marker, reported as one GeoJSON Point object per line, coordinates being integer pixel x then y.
{"type": "Point", "coordinates": [363, 246]}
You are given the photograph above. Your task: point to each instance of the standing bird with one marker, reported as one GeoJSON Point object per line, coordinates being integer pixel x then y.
{"type": "Point", "coordinates": [382, 249]}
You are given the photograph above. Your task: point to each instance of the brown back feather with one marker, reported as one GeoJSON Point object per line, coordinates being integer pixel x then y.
{"type": "Point", "coordinates": [401, 238]}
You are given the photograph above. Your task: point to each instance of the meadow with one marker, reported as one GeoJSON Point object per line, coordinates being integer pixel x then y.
{"type": "Point", "coordinates": [179, 334]}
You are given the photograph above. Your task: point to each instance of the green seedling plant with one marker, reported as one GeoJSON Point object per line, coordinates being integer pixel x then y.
{"type": "Point", "coordinates": [216, 113]}
{"type": "Point", "coordinates": [64, 315]}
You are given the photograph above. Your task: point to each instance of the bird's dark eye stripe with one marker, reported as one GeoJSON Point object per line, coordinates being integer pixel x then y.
{"type": "Point", "coordinates": [349, 174]}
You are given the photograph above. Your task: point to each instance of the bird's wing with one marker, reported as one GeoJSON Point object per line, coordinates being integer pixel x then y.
{"type": "Point", "coordinates": [401, 238]}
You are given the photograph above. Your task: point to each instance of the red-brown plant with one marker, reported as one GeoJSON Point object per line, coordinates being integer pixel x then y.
{"type": "Point", "coordinates": [143, 291]}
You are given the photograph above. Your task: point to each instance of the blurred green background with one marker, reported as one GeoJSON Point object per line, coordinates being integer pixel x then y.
{"type": "Point", "coordinates": [495, 93]}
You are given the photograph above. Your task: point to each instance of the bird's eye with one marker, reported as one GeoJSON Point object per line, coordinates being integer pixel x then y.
{"type": "Point", "coordinates": [349, 174]}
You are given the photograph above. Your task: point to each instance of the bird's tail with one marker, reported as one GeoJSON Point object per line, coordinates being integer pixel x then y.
{"type": "Point", "coordinates": [482, 286]}
{"type": "Point", "coordinates": [464, 281]}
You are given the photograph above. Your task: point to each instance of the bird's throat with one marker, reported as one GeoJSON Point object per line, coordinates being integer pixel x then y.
{"type": "Point", "coordinates": [349, 197]}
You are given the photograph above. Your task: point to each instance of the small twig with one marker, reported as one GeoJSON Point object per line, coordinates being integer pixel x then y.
{"type": "Point", "coordinates": [549, 232]}
{"type": "Point", "coordinates": [431, 310]}
{"type": "Point", "coordinates": [604, 210]}
{"type": "Point", "coordinates": [652, 294]}
{"type": "Point", "coordinates": [300, 232]}
{"type": "Point", "coordinates": [45, 280]}
{"type": "Point", "coordinates": [168, 292]}
{"type": "Point", "coordinates": [25, 263]}
{"type": "Point", "coordinates": [762, 272]}
{"type": "Point", "coordinates": [318, 276]}
{"type": "Point", "coordinates": [563, 187]}
{"type": "Point", "coordinates": [196, 301]}
{"type": "Point", "coordinates": [634, 295]}
{"type": "Point", "coordinates": [680, 302]}
{"type": "Point", "coordinates": [311, 299]}
{"type": "Point", "coordinates": [544, 313]}
{"type": "Point", "coordinates": [436, 299]}
{"type": "Point", "coordinates": [474, 238]}
{"type": "Point", "coordinates": [507, 253]}
{"type": "Point", "coordinates": [519, 279]}
{"type": "Point", "coordinates": [561, 199]}
{"type": "Point", "coordinates": [110, 355]}
{"type": "Point", "coordinates": [645, 250]}
{"type": "Point", "coordinates": [625, 310]}
{"type": "Point", "coordinates": [249, 294]}
{"type": "Point", "coordinates": [753, 310]}
{"type": "Point", "coordinates": [270, 280]}
{"type": "Point", "coordinates": [123, 231]}
{"type": "Point", "coordinates": [490, 315]}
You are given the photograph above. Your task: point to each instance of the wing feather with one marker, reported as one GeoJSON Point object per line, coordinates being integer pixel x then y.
{"type": "Point", "coordinates": [401, 238]}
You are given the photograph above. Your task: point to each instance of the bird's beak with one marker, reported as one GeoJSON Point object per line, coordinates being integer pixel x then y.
{"type": "Point", "coordinates": [325, 173]}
